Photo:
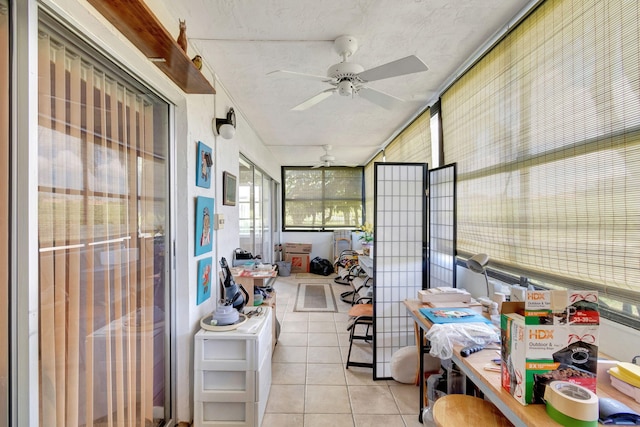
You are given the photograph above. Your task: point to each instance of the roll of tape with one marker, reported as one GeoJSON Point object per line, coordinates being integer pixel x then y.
{"type": "Point", "coordinates": [571, 404]}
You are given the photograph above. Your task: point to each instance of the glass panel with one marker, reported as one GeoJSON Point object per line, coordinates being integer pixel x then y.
{"type": "Point", "coordinates": [257, 200]}
{"type": "Point", "coordinates": [102, 219]}
{"type": "Point", "coordinates": [4, 214]}
{"type": "Point", "coordinates": [245, 205]}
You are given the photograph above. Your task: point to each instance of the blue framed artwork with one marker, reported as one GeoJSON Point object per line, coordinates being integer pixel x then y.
{"type": "Point", "coordinates": [204, 280]}
{"type": "Point", "coordinates": [204, 225]}
{"type": "Point", "coordinates": [204, 161]}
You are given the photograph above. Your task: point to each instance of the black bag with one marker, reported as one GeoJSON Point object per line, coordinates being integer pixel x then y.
{"type": "Point", "coordinates": [321, 266]}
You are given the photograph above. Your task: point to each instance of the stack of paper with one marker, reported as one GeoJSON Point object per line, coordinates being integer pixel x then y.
{"type": "Point", "coordinates": [444, 295]}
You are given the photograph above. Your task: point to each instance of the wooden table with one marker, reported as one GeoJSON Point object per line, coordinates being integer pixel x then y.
{"type": "Point", "coordinates": [488, 382]}
{"type": "Point", "coordinates": [249, 279]}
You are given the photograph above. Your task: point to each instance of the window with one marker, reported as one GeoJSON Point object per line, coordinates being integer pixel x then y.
{"type": "Point", "coordinates": [103, 215]}
{"type": "Point", "coordinates": [323, 198]}
{"type": "Point", "coordinates": [545, 133]}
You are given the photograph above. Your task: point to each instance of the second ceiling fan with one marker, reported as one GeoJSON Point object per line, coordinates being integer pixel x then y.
{"type": "Point", "coordinates": [350, 79]}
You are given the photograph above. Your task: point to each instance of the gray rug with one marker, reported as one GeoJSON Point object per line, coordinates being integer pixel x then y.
{"type": "Point", "coordinates": [315, 297]}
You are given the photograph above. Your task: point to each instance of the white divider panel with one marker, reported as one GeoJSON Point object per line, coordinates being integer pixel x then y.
{"type": "Point", "coordinates": [442, 227]}
{"type": "Point", "coordinates": [399, 267]}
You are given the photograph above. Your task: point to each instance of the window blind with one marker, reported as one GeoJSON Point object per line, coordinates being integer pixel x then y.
{"type": "Point", "coordinates": [545, 131]}
{"type": "Point", "coordinates": [413, 144]}
{"type": "Point", "coordinates": [322, 198]}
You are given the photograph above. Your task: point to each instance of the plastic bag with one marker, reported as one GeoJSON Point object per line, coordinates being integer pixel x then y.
{"type": "Point", "coordinates": [444, 336]}
{"type": "Point", "coordinates": [321, 266]}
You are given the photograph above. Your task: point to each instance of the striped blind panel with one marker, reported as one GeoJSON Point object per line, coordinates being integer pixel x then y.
{"type": "Point", "coordinates": [545, 131]}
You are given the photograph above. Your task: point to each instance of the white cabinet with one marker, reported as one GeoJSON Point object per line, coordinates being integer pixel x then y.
{"type": "Point", "coordinates": [232, 374]}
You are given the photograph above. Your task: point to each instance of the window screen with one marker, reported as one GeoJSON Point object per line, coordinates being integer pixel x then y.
{"type": "Point", "coordinates": [545, 131]}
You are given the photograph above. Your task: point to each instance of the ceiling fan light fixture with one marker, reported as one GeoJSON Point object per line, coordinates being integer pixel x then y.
{"type": "Point", "coordinates": [226, 128]}
{"type": "Point", "coordinates": [345, 88]}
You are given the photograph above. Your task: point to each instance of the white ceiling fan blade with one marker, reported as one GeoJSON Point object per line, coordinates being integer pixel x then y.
{"type": "Point", "coordinates": [314, 100]}
{"type": "Point", "coordinates": [410, 64]}
{"type": "Point", "coordinates": [380, 98]}
{"type": "Point", "coordinates": [302, 75]}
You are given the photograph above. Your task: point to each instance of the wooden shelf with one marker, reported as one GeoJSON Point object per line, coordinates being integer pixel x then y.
{"type": "Point", "coordinates": [138, 23]}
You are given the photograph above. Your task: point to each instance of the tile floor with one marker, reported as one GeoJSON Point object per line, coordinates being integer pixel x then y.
{"type": "Point", "coordinates": [311, 386]}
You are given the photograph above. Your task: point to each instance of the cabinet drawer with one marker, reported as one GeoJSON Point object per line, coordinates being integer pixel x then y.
{"type": "Point", "coordinates": [218, 414]}
{"type": "Point", "coordinates": [225, 386]}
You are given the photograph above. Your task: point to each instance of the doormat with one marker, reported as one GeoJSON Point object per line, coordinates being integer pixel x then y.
{"type": "Point", "coordinates": [316, 297]}
{"type": "Point", "coordinates": [312, 276]}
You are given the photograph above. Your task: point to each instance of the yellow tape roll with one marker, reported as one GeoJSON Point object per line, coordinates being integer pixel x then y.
{"type": "Point", "coordinates": [571, 404]}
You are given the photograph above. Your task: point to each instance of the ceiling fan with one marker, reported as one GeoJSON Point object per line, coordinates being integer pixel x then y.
{"type": "Point", "coordinates": [350, 79]}
{"type": "Point", "coordinates": [327, 160]}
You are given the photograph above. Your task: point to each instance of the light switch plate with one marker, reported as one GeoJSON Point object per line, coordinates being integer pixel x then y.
{"type": "Point", "coordinates": [218, 222]}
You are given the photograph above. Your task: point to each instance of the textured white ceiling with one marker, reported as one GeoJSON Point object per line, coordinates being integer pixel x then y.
{"type": "Point", "coordinates": [243, 40]}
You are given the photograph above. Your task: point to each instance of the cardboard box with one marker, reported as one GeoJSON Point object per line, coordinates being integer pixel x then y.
{"type": "Point", "coordinates": [299, 262]}
{"type": "Point", "coordinates": [552, 335]}
{"type": "Point", "coordinates": [297, 248]}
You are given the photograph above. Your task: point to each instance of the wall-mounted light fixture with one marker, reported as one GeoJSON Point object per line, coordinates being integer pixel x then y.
{"type": "Point", "coordinates": [226, 128]}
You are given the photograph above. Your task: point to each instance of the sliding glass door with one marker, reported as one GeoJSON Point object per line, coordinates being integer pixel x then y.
{"type": "Point", "coordinates": [5, 184]}
{"type": "Point", "coordinates": [255, 204]}
{"type": "Point", "coordinates": [103, 214]}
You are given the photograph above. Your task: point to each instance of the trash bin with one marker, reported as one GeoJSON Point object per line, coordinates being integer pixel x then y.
{"type": "Point", "coordinates": [284, 268]}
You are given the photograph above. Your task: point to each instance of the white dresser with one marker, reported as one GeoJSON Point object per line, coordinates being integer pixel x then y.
{"type": "Point", "coordinates": [232, 374]}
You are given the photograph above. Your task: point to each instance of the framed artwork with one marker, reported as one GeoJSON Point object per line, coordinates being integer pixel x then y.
{"type": "Point", "coordinates": [229, 186]}
{"type": "Point", "coordinates": [204, 225]}
{"type": "Point", "coordinates": [204, 280]}
{"type": "Point", "coordinates": [204, 161]}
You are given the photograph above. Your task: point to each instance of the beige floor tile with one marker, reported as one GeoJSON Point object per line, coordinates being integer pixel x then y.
{"type": "Point", "coordinates": [327, 399]}
{"type": "Point", "coordinates": [340, 317]}
{"type": "Point", "coordinates": [293, 339]}
{"type": "Point", "coordinates": [407, 397]}
{"type": "Point", "coordinates": [283, 420]}
{"type": "Point", "coordinates": [320, 317]}
{"type": "Point", "coordinates": [363, 420]}
{"type": "Point", "coordinates": [286, 399]}
{"type": "Point", "coordinates": [294, 326]}
{"type": "Point", "coordinates": [372, 400]}
{"type": "Point", "coordinates": [323, 339]}
{"type": "Point", "coordinates": [343, 338]}
{"type": "Point", "coordinates": [288, 373]}
{"type": "Point", "coordinates": [324, 355]}
{"type": "Point", "coordinates": [324, 420]}
{"type": "Point", "coordinates": [412, 421]}
{"type": "Point", "coordinates": [287, 354]}
{"type": "Point", "coordinates": [322, 326]}
{"type": "Point", "coordinates": [325, 374]}
{"type": "Point", "coordinates": [297, 316]}
{"type": "Point", "coordinates": [360, 376]}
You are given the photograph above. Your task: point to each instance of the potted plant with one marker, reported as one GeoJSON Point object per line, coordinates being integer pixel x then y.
{"type": "Point", "coordinates": [366, 237]}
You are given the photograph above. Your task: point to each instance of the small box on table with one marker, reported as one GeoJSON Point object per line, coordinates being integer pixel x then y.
{"type": "Point", "coordinates": [552, 335]}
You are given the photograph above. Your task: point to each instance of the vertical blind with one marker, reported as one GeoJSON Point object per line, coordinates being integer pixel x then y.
{"type": "Point", "coordinates": [413, 144]}
{"type": "Point", "coordinates": [102, 204]}
{"type": "Point", "coordinates": [545, 130]}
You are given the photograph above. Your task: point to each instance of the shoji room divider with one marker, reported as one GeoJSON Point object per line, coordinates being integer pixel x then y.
{"type": "Point", "coordinates": [442, 227]}
{"type": "Point", "coordinates": [399, 255]}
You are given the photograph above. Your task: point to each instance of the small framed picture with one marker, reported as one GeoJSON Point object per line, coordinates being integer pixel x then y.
{"type": "Point", "coordinates": [204, 280]}
{"type": "Point", "coordinates": [229, 189]}
{"type": "Point", "coordinates": [204, 225]}
{"type": "Point", "coordinates": [204, 161]}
